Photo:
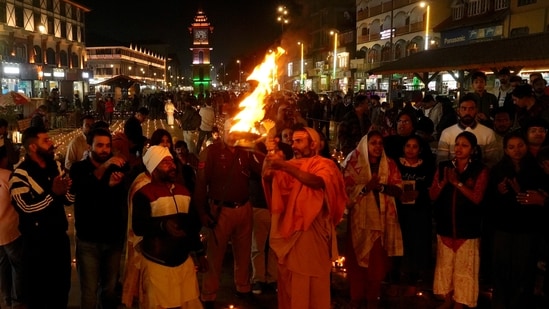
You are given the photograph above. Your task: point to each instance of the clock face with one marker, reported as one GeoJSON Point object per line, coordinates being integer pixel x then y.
{"type": "Point", "coordinates": [200, 34]}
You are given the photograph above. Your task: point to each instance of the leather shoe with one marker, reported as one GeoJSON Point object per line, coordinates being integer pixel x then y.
{"type": "Point", "coordinates": [209, 304]}
{"type": "Point", "coordinates": [243, 295]}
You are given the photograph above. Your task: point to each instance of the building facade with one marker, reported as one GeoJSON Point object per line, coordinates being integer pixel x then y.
{"type": "Point", "coordinates": [451, 25]}
{"type": "Point", "coordinates": [146, 69]}
{"type": "Point", "coordinates": [42, 47]}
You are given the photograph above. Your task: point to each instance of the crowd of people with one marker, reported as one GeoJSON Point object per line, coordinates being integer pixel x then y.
{"type": "Point", "coordinates": [469, 183]}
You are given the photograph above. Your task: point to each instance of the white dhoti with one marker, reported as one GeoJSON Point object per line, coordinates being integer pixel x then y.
{"type": "Point", "coordinates": [169, 287]}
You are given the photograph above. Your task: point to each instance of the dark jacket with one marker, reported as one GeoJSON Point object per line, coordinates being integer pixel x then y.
{"type": "Point", "coordinates": [134, 132]}
{"type": "Point", "coordinates": [99, 210]}
{"type": "Point", "coordinates": [41, 212]}
{"type": "Point", "coordinates": [504, 209]}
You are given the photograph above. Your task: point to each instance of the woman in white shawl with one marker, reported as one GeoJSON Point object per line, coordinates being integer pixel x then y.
{"type": "Point", "coordinates": [373, 182]}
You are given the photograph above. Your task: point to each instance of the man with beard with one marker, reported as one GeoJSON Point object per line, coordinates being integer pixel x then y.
{"type": "Point", "coordinates": [307, 198]}
{"type": "Point", "coordinates": [467, 112]}
{"type": "Point", "coordinates": [503, 124]}
{"type": "Point", "coordinates": [100, 222]}
{"type": "Point", "coordinates": [163, 215]}
{"type": "Point", "coordinates": [39, 190]}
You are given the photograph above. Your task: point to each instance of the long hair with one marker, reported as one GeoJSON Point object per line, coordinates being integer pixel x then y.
{"type": "Point", "coordinates": [156, 137]}
{"type": "Point", "coordinates": [475, 159]}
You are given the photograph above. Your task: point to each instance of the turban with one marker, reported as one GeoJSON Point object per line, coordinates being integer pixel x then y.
{"type": "Point", "coordinates": [154, 155]}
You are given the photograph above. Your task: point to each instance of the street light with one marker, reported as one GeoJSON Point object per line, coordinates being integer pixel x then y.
{"type": "Point", "coordinates": [427, 17]}
{"type": "Point", "coordinates": [334, 33]}
{"type": "Point", "coordinates": [282, 16]}
{"type": "Point", "coordinates": [223, 76]}
{"type": "Point", "coordinates": [302, 78]}
{"type": "Point", "coordinates": [239, 73]}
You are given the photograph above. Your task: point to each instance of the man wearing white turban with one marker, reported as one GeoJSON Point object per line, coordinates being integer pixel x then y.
{"type": "Point", "coordinates": [162, 214]}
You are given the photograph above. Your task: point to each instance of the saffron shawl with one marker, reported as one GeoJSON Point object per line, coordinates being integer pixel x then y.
{"type": "Point", "coordinates": [298, 205]}
{"type": "Point", "coordinates": [367, 221]}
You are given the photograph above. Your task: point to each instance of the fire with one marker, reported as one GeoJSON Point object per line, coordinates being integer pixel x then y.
{"type": "Point", "coordinates": [253, 106]}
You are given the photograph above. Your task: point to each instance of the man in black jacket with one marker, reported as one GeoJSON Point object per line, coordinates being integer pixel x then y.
{"type": "Point", "coordinates": [100, 220]}
{"type": "Point", "coordinates": [134, 131]}
{"type": "Point", "coordinates": [39, 191]}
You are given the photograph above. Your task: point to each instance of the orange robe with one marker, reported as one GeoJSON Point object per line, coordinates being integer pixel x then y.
{"type": "Point", "coordinates": [303, 232]}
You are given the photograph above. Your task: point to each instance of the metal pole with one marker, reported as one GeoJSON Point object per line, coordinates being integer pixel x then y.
{"type": "Point", "coordinates": [302, 79]}
{"type": "Point", "coordinates": [427, 27]}
{"type": "Point", "coordinates": [391, 55]}
{"type": "Point", "coordinates": [335, 61]}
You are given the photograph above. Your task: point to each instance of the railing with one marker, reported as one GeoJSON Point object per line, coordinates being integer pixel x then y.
{"type": "Point", "coordinates": [375, 10]}
{"type": "Point", "coordinates": [401, 30]}
{"type": "Point", "coordinates": [415, 27]}
{"type": "Point", "coordinates": [419, 26]}
{"type": "Point", "coordinates": [360, 15]}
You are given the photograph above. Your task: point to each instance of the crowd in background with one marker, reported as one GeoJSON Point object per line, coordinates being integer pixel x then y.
{"type": "Point", "coordinates": [449, 193]}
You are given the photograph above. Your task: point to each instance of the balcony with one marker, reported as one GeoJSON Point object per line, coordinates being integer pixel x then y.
{"type": "Point", "coordinates": [401, 30]}
{"type": "Point", "coordinates": [360, 15]}
{"type": "Point", "coordinates": [375, 10]}
{"type": "Point", "coordinates": [419, 26]}
{"type": "Point", "coordinates": [399, 4]}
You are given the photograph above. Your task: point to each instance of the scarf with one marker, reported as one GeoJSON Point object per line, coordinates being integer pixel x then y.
{"type": "Point", "coordinates": [368, 220]}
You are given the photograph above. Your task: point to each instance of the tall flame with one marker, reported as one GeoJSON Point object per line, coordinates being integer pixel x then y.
{"type": "Point", "coordinates": [253, 106]}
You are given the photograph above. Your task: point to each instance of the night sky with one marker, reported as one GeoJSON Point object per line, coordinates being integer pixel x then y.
{"type": "Point", "coordinates": [242, 29]}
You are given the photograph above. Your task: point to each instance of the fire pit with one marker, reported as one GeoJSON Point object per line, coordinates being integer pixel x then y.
{"type": "Point", "coordinates": [245, 139]}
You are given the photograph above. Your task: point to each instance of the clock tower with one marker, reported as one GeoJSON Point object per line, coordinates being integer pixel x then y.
{"type": "Point", "coordinates": [200, 30]}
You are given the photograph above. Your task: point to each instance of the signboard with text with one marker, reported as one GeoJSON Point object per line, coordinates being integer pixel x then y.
{"type": "Point", "coordinates": [467, 35]}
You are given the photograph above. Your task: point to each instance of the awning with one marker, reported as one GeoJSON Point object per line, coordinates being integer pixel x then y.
{"type": "Point", "coordinates": [122, 81]}
{"type": "Point", "coordinates": [526, 52]}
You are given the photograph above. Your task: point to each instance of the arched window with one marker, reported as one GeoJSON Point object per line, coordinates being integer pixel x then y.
{"type": "Point", "coordinates": [37, 53]}
{"type": "Point", "coordinates": [50, 56]}
{"type": "Point", "coordinates": [64, 59]}
{"type": "Point", "coordinates": [74, 60]}
{"type": "Point", "coordinates": [386, 53]}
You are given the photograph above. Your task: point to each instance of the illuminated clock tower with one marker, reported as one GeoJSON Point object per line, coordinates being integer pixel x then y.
{"type": "Point", "coordinates": [200, 31]}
